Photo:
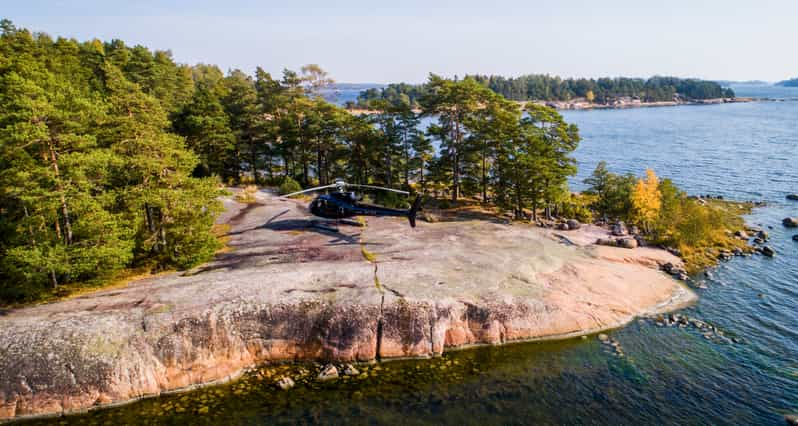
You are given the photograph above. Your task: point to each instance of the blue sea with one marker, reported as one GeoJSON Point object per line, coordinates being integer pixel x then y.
{"type": "Point", "coordinates": [743, 151]}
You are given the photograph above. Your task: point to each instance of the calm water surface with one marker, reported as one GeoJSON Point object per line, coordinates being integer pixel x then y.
{"type": "Point", "coordinates": [670, 375]}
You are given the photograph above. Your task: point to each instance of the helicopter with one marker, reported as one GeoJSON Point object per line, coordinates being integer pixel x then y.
{"type": "Point", "coordinates": [342, 204]}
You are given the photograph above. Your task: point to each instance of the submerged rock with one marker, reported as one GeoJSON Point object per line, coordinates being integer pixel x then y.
{"type": "Point", "coordinates": [285, 383]}
{"type": "Point", "coordinates": [767, 251]}
{"type": "Point", "coordinates": [350, 370]}
{"type": "Point", "coordinates": [329, 372]}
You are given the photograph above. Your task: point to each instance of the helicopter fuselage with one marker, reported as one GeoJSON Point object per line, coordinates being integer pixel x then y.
{"type": "Point", "coordinates": [341, 205]}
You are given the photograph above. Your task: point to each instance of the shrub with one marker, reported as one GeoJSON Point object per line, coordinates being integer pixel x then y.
{"type": "Point", "coordinates": [391, 199]}
{"type": "Point", "coordinates": [577, 206]}
{"type": "Point", "coordinates": [289, 185]}
{"type": "Point", "coordinates": [247, 195]}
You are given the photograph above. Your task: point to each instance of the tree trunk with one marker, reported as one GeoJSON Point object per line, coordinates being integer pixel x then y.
{"type": "Point", "coordinates": [421, 177]}
{"type": "Point", "coordinates": [148, 216]}
{"type": "Point", "coordinates": [60, 189]}
{"type": "Point", "coordinates": [484, 175]}
{"type": "Point", "coordinates": [319, 165]}
{"type": "Point", "coordinates": [253, 158]}
{"type": "Point", "coordinates": [455, 161]}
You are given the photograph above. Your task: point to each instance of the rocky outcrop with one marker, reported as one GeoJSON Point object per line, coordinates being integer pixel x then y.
{"type": "Point", "coordinates": [627, 243]}
{"type": "Point", "coordinates": [619, 230]}
{"type": "Point", "coordinates": [288, 291]}
{"type": "Point", "coordinates": [573, 224]}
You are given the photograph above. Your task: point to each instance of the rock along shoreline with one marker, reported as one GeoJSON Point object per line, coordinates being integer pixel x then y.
{"type": "Point", "coordinates": [289, 292]}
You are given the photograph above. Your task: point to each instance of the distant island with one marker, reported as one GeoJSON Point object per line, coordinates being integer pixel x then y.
{"type": "Point", "coordinates": [569, 93]}
{"type": "Point", "coordinates": [727, 83]}
{"type": "Point", "coordinates": [793, 82]}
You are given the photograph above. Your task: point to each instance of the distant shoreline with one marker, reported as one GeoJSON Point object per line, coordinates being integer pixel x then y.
{"type": "Point", "coordinates": [581, 104]}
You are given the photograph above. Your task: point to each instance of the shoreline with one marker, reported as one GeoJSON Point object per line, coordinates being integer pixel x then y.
{"type": "Point", "coordinates": [629, 103]}
{"type": "Point", "coordinates": [285, 294]}
{"type": "Point", "coordinates": [682, 298]}
{"type": "Point", "coordinates": [580, 105]}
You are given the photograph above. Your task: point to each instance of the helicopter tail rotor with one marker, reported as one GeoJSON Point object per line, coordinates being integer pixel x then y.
{"type": "Point", "coordinates": [411, 215]}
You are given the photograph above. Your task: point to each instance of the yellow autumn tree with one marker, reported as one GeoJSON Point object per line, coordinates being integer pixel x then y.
{"type": "Point", "coordinates": [646, 200]}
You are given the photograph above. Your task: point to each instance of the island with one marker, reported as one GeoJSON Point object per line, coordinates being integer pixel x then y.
{"type": "Point", "coordinates": [793, 82]}
{"type": "Point", "coordinates": [144, 248]}
{"type": "Point", "coordinates": [287, 291]}
{"type": "Point", "coordinates": [570, 93]}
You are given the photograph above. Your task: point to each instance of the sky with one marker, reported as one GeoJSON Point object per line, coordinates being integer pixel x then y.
{"type": "Point", "coordinates": [405, 40]}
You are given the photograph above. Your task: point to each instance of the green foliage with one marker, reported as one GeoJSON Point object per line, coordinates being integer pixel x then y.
{"type": "Point", "coordinates": [577, 206]}
{"type": "Point", "coordinates": [391, 199]}
{"type": "Point", "coordinates": [90, 181]}
{"type": "Point", "coordinates": [538, 87]}
{"type": "Point", "coordinates": [612, 193]}
{"type": "Point", "coordinates": [112, 156]}
{"type": "Point", "coordinates": [289, 186]}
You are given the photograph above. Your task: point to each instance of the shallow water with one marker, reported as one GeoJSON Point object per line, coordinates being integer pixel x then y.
{"type": "Point", "coordinates": [669, 375]}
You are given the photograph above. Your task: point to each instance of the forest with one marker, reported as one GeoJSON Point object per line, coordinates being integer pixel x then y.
{"type": "Point", "coordinates": [538, 87]}
{"type": "Point", "coordinates": [115, 157]}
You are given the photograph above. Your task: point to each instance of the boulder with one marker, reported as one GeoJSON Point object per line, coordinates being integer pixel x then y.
{"type": "Point", "coordinates": [793, 197]}
{"type": "Point", "coordinates": [603, 337]}
{"type": "Point", "coordinates": [285, 383]}
{"type": "Point", "coordinates": [619, 230]}
{"type": "Point", "coordinates": [790, 222]}
{"type": "Point", "coordinates": [607, 242]}
{"type": "Point", "coordinates": [795, 237]}
{"type": "Point", "coordinates": [767, 251]}
{"type": "Point", "coordinates": [791, 419]}
{"type": "Point", "coordinates": [564, 227]}
{"type": "Point", "coordinates": [329, 372]}
{"type": "Point", "coordinates": [350, 370]}
{"type": "Point", "coordinates": [762, 235]}
{"type": "Point", "coordinates": [628, 243]}
{"type": "Point", "coordinates": [573, 224]}
{"type": "Point", "coordinates": [741, 235]}
{"type": "Point", "coordinates": [634, 230]}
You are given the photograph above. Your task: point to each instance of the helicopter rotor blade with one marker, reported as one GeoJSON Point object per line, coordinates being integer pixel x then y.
{"type": "Point", "coordinates": [378, 187]}
{"type": "Point", "coordinates": [318, 188]}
